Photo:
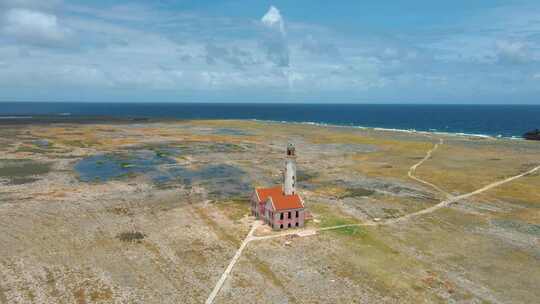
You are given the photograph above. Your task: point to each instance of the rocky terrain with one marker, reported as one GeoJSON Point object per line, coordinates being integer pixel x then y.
{"type": "Point", "coordinates": [153, 212]}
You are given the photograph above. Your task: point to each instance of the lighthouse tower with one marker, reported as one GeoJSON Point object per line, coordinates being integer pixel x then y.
{"type": "Point", "coordinates": [289, 175]}
{"type": "Point", "coordinates": [280, 206]}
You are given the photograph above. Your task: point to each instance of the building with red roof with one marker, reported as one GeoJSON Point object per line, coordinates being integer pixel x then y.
{"type": "Point", "coordinates": [281, 207]}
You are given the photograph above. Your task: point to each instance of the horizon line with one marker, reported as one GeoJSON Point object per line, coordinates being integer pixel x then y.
{"type": "Point", "coordinates": [273, 103]}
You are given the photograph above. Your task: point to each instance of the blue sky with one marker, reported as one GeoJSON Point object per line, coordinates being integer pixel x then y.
{"type": "Point", "coordinates": [271, 51]}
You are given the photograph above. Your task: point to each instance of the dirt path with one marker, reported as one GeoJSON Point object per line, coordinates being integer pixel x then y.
{"type": "Point", "coordinates": [229, 268]}
{"type": "Point", "coordinates": [454, 199]}
{"type": "Point", "coordinates": [412, 170]}
{"type": "Point", "coordinates": [444, 203]}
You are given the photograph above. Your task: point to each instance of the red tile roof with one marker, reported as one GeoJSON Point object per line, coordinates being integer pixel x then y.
{"type": "Point", "coordinates": [280, 200]}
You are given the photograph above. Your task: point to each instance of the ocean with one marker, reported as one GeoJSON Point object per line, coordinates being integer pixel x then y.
{"type": "Point", "coordinates": [487, 120]}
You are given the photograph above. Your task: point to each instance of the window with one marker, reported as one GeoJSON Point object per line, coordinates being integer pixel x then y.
{"type": "Point", "coordinates": [289, 214]}
{"type": "Point", "coordinates": [281, 226]}
{"type": "Point", "coordinates": [281, 216]}
{"type": "Point", "coordinates": [289, 225]}
{"type": "Point", "coordinates": [296, 224]}
{"type": "Point", "coordinates": [297, 214]}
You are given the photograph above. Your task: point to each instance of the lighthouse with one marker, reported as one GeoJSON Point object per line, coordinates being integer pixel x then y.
{"type": "Point", "coordinates": [289, 175]}
{"type": "Point", "coordinates": [280, 206]}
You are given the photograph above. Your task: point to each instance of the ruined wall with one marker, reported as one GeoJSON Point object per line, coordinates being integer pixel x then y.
{"type": "Point", "coordinates": [277, 221]}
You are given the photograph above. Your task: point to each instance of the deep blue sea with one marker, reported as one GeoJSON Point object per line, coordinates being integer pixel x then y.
{"type": "Point", "coordinates": [492, 120]}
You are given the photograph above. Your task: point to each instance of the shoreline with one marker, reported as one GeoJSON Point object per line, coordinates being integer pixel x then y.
{"type": "Point", "coordinates": [408, 131]}
{"type": "Point", "coordinates": [89, 119]}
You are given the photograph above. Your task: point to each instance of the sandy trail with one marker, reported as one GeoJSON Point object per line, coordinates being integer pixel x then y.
{"type": "Point", "coordinates": [229, 268]}
{"type": "Point", "coordinates": [445, 203]}
{"type": "Point", "coordinates": [454, 199]}
{"type": "Point", "coordinates": [412, 170]}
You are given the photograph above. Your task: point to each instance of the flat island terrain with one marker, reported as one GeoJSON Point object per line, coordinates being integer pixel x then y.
{"type": "Point", "coordinates": [158, 212]}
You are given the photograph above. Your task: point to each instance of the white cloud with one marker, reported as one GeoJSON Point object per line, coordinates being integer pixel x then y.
{"type": "Point", "coordinates": [234, 55]}
{"type": "Point", "coordinates": [320, 48]}
{"type": "Point", "coordinates": [513, 51]}
{"type": "Point", "coordinates": [275, 39]}
{"type": "Point", "coordinates": [144, 50]}
{"type": "Point", "coordinates": [30, 4]}
{"type": "Point", "coordinates": [273, 20]}
{"type": "Point", "coordinates": [33, 27]}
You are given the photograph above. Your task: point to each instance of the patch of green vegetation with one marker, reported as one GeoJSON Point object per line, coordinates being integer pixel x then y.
{"type": "Point", "coordinates": [161, 154]}
{"type": "Point", "coordinates": [30, 149]}
{"type": "Point", "coordinates": [127, 175]}
{"type": "Point", "coordinates": [354, 235]}
{"type": "Point", "coordinates": [333, 220]}
{"type": "Point", "coordinates": [369, 238]}
{"type": "Point", "coordinates": [22, 170]}
{"type": "Point", "coordinates": [356, 192]}
{"type": "Point", "coordinates": [9, 132]}
{"type": "Point", "coordinates": [225, 148]}
{"type": "Point", "coordinates": [235, 209]}
{"type": "Point", "coordinates": [302, 175]}
{"type": "Point", "coordinates": [167, 185]}
{"type": "Point", "coordinates": [131, 237]}
{"type": "Point", "coordinates": [519, 226]}
{"type": "Point", "coordinates": [392, 212]}
{"type": "Point", "coordinates": [329, 217]}
{"type": "Point", "coordinates": [22, 180]}
{"type": "Point", "coordinates": [350, 231]}
{"type": "Point", "coordinates": [80, 143]}
{"type": "Point", "coordinates": [107, 130]}
{"type": "Point", "coordinates": [126, 165]}
{"type": "Point", "coordinates": [39, 147]}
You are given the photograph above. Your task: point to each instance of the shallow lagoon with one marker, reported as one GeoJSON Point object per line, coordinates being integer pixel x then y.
{"type": "Point", "coordinates": [221, 180]}
{"type": "Point", "coordinates": [105, 167]}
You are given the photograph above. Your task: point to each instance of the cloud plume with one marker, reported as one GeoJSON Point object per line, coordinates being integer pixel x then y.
{"type": "Point", "coordinates": [275, 38]}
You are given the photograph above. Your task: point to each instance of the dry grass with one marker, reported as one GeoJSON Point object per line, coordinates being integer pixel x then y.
{"type": "Point", "coordinates": [393, 160]}
{"type": "Point", "coordinates": [524, 191]}
{"type": "Point", "coordinates": [460, 169]}
{"type": "Point", "coordinates": [188, 245]}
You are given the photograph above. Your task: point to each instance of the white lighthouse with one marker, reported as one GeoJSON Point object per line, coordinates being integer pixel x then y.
{"type": "Point", "coordinates": [289, 176]}
{"type": "Point", "coordinates": [280, 206]}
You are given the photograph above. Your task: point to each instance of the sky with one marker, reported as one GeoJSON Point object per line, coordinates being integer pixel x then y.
{"type": "Point", "coordinates": [301, 51]}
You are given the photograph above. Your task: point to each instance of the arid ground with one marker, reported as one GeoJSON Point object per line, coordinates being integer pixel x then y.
{"type": "Point", "coordinates": [154, 212]}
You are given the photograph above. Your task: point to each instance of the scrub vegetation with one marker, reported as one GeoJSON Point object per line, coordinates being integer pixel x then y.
{"type": "Point", "coordinates": [154, 212]}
